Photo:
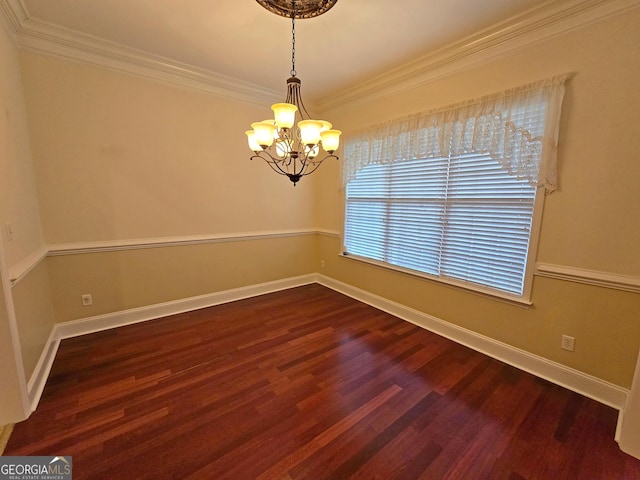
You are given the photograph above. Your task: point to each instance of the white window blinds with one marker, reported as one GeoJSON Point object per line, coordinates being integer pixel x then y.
{"type": "Point", "coordinates": [462, 207]}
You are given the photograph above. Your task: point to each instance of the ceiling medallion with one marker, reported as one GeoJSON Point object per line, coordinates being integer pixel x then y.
{"type": "Point", "coordinates": [303, 8]}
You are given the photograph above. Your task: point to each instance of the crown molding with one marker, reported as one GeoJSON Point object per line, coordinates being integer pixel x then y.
{"type": "Point", "coordinates": [529, 28]}
{"type": "Point", "coordinates": [44, 38]}
{"type": "Point", "coordinates": [40, 37]}
{"type": "Point", "coordinates": [13, 13]}
{"type": "Point", "coordinates": [536, 25]}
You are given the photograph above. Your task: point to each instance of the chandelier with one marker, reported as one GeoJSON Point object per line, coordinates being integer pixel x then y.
{"type": "Point", "coordinates": [291, 148]}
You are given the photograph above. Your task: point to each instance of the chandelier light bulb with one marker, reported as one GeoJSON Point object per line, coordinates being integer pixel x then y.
{"type": "Point", "coordinates": [264, 133]}
{"type": "Point", "coordinates": [284, 114]}
{"type": "Point", "coordinates": [325, 125]}
{"type": "Point", "coordinates": [271, 121]}
{"type": "Point", "coordinates": [330, 140]}
{"type": "Point", "coordinates": [253, 144]}
{"type": "Point", "coordinates": [310, 131]}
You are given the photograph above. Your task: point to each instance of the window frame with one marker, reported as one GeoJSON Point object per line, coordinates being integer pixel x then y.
{"type": "Point", "coordinates": [475, 288]}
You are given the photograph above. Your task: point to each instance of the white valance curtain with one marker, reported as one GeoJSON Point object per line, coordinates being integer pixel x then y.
{"type": "Point", "coordinates": [517, 127]}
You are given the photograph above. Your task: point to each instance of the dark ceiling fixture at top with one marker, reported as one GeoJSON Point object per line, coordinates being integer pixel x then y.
{"type": "Point", "coordinates": [302, 8]}
{"type": "Point", "coordinates": [293, 148]}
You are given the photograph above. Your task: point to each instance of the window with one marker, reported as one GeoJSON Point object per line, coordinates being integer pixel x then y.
{"type": "Point", "coordinates": [461, 218]}
{"type": "Point", "coordinates": [452, 193]}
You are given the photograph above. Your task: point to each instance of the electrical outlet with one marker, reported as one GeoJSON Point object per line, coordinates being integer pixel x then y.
{"type": "Point", "coordinates": [568, 343]}
{"type": "Point", "coordinates": [87, 300]}
{"type": "Point", "coordinates": [322, 263]}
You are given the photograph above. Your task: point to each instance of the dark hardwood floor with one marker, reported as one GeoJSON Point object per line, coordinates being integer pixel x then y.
{"type": "Point", "coordinates": [308, 384]}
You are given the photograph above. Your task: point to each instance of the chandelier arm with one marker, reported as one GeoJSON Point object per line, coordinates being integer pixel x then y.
{"type": "Point", "coordinates": [297, 97]}
{"type": "Point", "coordinates": [287, 165]}
{"type": "Point", "coordinates": [271, 161]}
{"type": "Point", "coordinates": [312, 165]}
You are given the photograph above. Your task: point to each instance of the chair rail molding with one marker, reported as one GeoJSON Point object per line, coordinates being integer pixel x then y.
{"type": "Point", "coordinates": [589, 277]}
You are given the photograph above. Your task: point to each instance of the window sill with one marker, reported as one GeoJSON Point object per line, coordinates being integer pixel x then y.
{"type": "Point", "coordinates": [520, 301]}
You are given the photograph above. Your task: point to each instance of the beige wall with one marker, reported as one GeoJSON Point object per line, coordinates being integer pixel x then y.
{"type": "Point", "coordinates": [135, 278]}
{"type": "Point", "coordinates": [18, 197]}
{"type": "Point", "coordinates": [22, 331]}
{"type": "Point", "coordinates": [120, 157]}
{"type": "Point", "coordinates": [590, 223]}
{"type": "Point", "coordinates": [34, 311]}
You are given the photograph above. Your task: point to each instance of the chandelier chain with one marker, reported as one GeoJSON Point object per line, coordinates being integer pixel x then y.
{"type": "Point", "coordinates": [293, 38]}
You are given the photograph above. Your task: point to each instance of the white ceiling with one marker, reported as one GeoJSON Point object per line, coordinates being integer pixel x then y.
{"type": "Point", "coordinates": [354, 41]}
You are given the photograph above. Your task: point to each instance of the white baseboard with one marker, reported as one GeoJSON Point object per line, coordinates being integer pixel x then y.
{"type": "Point", "coordinates": [587, 385]}
{"type": "Point", "coordinates": [38, 379]}
{"type": "Point", "coordinates": [98, 323]}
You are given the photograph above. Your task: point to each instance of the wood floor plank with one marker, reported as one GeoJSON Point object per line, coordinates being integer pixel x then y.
{"type": "Point", "coordinates": [307, 383]}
